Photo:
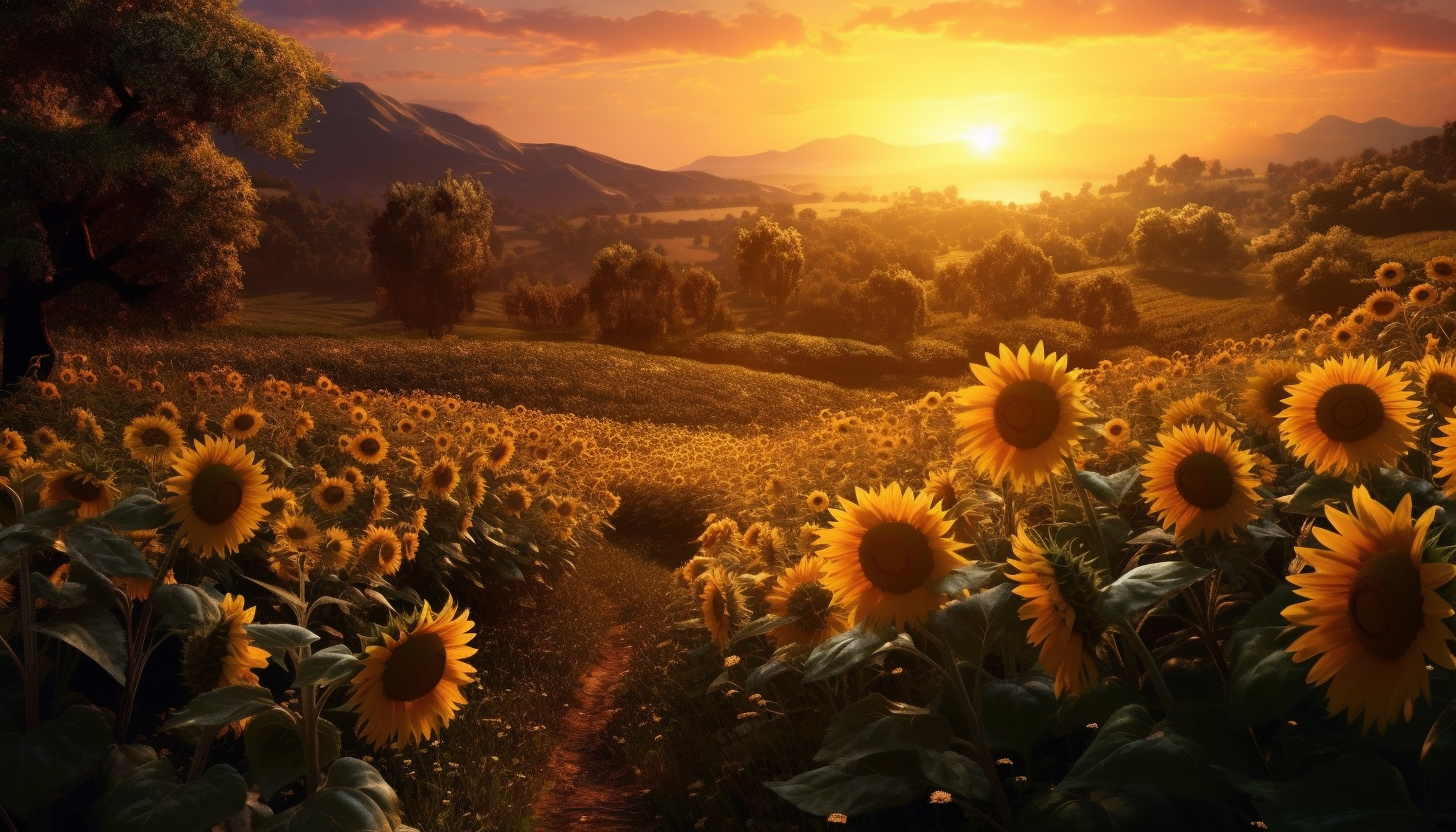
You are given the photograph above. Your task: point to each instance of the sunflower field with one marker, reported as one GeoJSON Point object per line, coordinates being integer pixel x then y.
{"type": "Point", "coordinates": [1209, 591]}
{"type": "Point", "coordinates": [204, 577]}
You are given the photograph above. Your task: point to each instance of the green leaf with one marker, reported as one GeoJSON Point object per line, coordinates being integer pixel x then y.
{"type": "Point", "coordinates": [54, 517]}
{"type": "Point", "coordinates": [1098, 486]}
{"type": "Point", "coordinates": [275, 748]}
{"type": "Point", "coordinates": [1019, 714]}
{"type": "Point", "coordinates": [353, 773]}
{"type": "Point", "coordinates": [1264, 681]}
{"type": "Point", "coordinates": [1145, 587]}
{"type": "Point", "coordinates": [1172, 756]}
{"type": "Point", "coordinates": [1096, 705]}
{"type": "Point", "coordinates": [93, 630]}
{"type": "Point", "coordinates": [1316, 493]}
{"type": "Point", "coordinates": [824, 791]}
{"type": "Point", "coordinates": [335, 810]}
{"type": "Point", "coordinates": [184, 607]}
{"type": "Point", "coordinates": [1357, 787]}
{"type": "Point", "coordinates": [331, 664]}
{"type": "Point", "coordinates": [971, 577]}
{"type": "Point", "coordinates": [1155, 537]}
{"type": "Point", "coordinates": [761, 626]}
{"type": "Point", "coordinates": [279, 639]}
{"type": "Point", "coordinates": [154, 799]}
{"type": "Point", "coordinates": [1438, 762]}
{"type": "Point", "coordinates": [1108, 810]}
{"type": "Point", "coordinates": [971, 625]}
{"type": "Point", "coordinates": [140, 510]}
{"type": "Point", "coordinates": [222, 706]}
{"type": "Point", "coordinates": [19, 536]}
{"type": "Point", "coordinates": [845, 651]}
{"type": "Point", "coordinates": [100, 549]}
{"type": "Point", "coordinates": [47, 763]}
{"type": "Point", "coordinates": [875, 724]}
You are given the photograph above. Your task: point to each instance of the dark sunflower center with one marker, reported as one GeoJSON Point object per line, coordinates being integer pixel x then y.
{"type": "Point", "coordinates": [1390, 274]}
{"type": "Point", "coordinates": [444, 478]}
{"type": "Point", "coordinates": [809, 603]}
{"type": "Point", "coordinates": [1204, 480]}
{"type": "Point", "coordinates": [1276, 394]}
{"type": "Point", "coordinates": [1444, 269]}
{"type": "Point", "coordinates": [1349, 412]}
{"type": "Point", "coordinates": [81, 489]}
{"type": "Point", "coordinates": [1344, 335]}
{"type": "Point", "coordinates": [516, 501]}
{"type": "Point", "coordinates": [720, 604]}
{"type": "Point", "coordinates": [334, 494]}
{"type": "Point", "coordinates": [297, 532]}
{"type": "Point", "coordinates": [1421, 295]}
{"type": "Point", "coordinates": [217, 492]}
{"type": "Point", "coordinates": [896, 557]}
{"type": "Point", "coordinates": [155, 437]}
{"type": "Point", "coordinates": [273, 505]}
{"type": "Point", "coordinates": [1115, 429]}
{"type": "Point", "coordinates": [1385, 605]}
{"type": "Point", "coordinates": [1441, 389]}
{"type": "Point", "coordinates": [1026, 413]}
{"type": "Point", "coordinates": [1382, 307]}
{"type": "Point", "coordinates": [498, 453]}
{"type": "Point", "coordinates": [244, 421]}
{"type": "Point", "coordinates": [414, 667]}
{"type": "Point", "coordinates": [369, 446]}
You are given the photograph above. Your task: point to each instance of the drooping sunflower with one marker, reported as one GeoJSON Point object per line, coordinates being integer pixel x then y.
{"type": "Point", "coordinates": [12, 446]}
{"type": "Point", "coordinates": [515, 499]}
{"type": "Point", "coordinates": [409, 686]}
{"type": "Point", "coordinates": [279, 501]}
{"type": "Point", "coordinates": [1442, 269]}
{"type": "Point", "coordinates": [152, 439]}
{"type": "Point", "coordinates": [1390, 274]}
{"type": "Point", "coordinates": [500, 453]}
{"type": "Point", "coordinates": [800, 592]}
{"type": "Point", "coordinates": [368, 447]}
{"type": "Point", "coordinates": [1263, 399]}
{"type": "Point", "coordinates": [242, 422]}
{"type": "Point", "coordinates": [1382, 305]}
{"type": "Point", "coordinates": [333, 495]}
{"type": "Point", "coordinates": [378, 550]}
{"type": "Point", "coordinates": [1197, 409]}
{"type": "Point", "coordinates": [1022, 419]}
{"type": "Point", "coordinates": [940, 484]}
{"type": "Point", "coordinates": [723, 606]}
{"type": "Point", "coordinates": [1374, 613]}
{"type": "Point", "coordinates": [86, 482]}
{"type": "Point", "coordinates": [336, 549]}
{"type": "Point", "coordinates": [217, 495]}
{"type": "Point", "coordinates": [884, 550]}
{"type": "Point", "coordinates": [302, 424]}
{"type": "Point", "coordinates": [223, 654]}
{"type": "Point", "coordinates": [441, 478]}
{"type": "Point", "coordinates": [1060, 590]}
{"type": "Point", "coordinates": [1437, 380]}
{"type": "Point", "coordinates": [1200, 483]}
{"type": "Point", "coordinates": [1346, 413]}
{"type": "Point", "coordinates": [378, 499]}
{"type": "Point", "coordinates": [1422, 295]}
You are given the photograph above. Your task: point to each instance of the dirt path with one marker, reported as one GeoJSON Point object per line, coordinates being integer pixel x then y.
{"type": "Point", "coordinates": [589, 789]}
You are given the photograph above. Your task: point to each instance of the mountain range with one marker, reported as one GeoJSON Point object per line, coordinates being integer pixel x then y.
{"type": "Point", "coordinates": [364, 141]}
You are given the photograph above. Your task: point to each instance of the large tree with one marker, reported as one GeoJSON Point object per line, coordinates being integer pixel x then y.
{"type": "Point", "coordinates": [110, 182]}
{"type": "Point", "coordinates": [770, 260]}
{"type": "Point", "coordinates": [430, 248]}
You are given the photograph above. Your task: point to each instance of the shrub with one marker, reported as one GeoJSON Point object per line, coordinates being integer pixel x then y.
{"type": "Point", "coordinates": [933, 357]}
{"type": "Point", "coordinates": [1067, 253]}
{"type": "Point", "coordinates": [1317, 275]}
{"type": "Point", "coordinates": [539, 306]}
{"type": "Point", "coordinates": [636, 297]}
{"type": "Point", "coordinates": [830, 359]}
{"type": "Point", "coordinates": [1008, 277]}
{"type": "Point", "coordinates": [1194, 236]}
{"type": "Point", "coordinates": [1102, 301]}
{"type": "Point", "coordinates": [770, 260]}
{"type": "Point", "coordinates": [1064, 337]}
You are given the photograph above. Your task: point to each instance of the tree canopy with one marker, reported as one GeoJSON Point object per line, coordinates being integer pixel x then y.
{"type": "Point", "coordinates": [770, 260]}
{"type": "Point", "coordinates": [110, 181]}
{"type": "Point", "coordinates": [1194, 236]}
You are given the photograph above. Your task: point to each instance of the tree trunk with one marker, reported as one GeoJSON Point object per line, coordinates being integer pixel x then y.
{"type": "Point", "coordinates": [25, 332]}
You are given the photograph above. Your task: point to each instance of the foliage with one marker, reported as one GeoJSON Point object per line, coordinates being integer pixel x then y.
{"type": "Point", "coordinates": [1194, 236]}
{"type": "Point", "coordinates": [1008, 278]}
{"type": "Point", "coordinates": [430, 248]}
{"type": "Point", "coordinates": [309, 245]}
{"type": "Point", "coordinates": [540, 306]}
{"type": "Point", "coordinates": [1068, 254]}
{"type": "Point", "coordinates": [890, 306]}
{"type": "Point", "coordinates": [770, 260]}
{"type": "Point", "coordinates": [110, 182]}
{"type": "Point", "coordinates": [637, 297]}
{"type": "Point", "coordinates": [1370, 195]}
{"type": "Point", "coordinates": [1100, 302]}
{"type": "Point", "coordinates": [1320, 272]}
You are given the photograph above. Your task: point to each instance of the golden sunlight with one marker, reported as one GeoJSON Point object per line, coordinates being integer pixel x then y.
{"type": "Point", "coordinates": [983, 139]}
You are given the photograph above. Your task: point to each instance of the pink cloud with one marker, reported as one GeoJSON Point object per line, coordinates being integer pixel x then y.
{"type": "Point", "coordinates": [564, 36]}
{"type": "Point", "coordinates": [1349, 32]}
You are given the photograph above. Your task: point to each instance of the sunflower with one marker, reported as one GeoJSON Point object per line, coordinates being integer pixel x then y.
{"type": "Point", "coordinates": [516, 500]}
{"type": "Point", "coordinates": [368, 447]}
{"type": "Point", "coordinates": [883, 552]}
{"type": "Point", "coordinates": [1437, 378]}
{"type": "Point", "coordinates": [1390, 274]}
{"type": "Point", "coordinates": [1200, 483]}
{"type": "Point", "coordinates": [941, 486]}
{"type": "Point", "coordinates": [86, 483]}
{"type": "Point", "coordinates": [1060, 590]}
{"type": "Point", "coordinates": [1422, 295]}
{"type": "Point", "coordinates": [1197, 409]}
{"type": "Point", "coordinates": [817, 501]}
{"type": "Point", "coordinates": [379, 550]}
{"type": "Point", "coordinates": [295, 531]}
{"type": "Point", "coordinates": [12, 446]}
{"type": "Point", "coordinates": [500, 454]}
{"type": "Point", "coordinates": [1382, 305]}
{"type": "Point", "coordinates": [152, 439]}
{"type": "Point", "coordinates": [224, 654]}
{"type": "Point", "coordinates": [406, 426]}
{"type": "Point", "coordinates": [441, 478]}
{"type": "Point", "coordinates": [336, 549]}
{"type": "Point", "coordinates": [242, 422]}
{"type": "Point", "coordinates": [723, 606]}
{"type": "Point", "coordinates": [1263, 399]}
{"type": "Point", "coordinates": [217, 495]}
{"type": "Point", "coordinates": [474, 489]}
{"type": "Point", "coordinates": [279, 500]}
{"type": "Point", "coordinates": [800, 592]}
{"type": "Point", "coordinates": [1115, 431]}
{"type": "Point", "coordinates": [1441, 269]}
{"type": "Point", "coordinates": [409, 686]}
{"type": "Point", "coordinates": [333, 495]}
{"type": "Point", "coordinates": [353, 476]}
{"type": "Point", "coordinates": [302, 424]}
{"type": "Point", "coordinates": [1373, 611]}
{"type": "Point", "coordinates": [1022, 418]}
{"type": "Point", "coordinates": [1359, 318]}
{"type": "Point", "coordinates": [1344, 335]}
{"type": "Point", "coordinates": [1346, 413]}
{"type": "Point", "coordinates": [378, 498]}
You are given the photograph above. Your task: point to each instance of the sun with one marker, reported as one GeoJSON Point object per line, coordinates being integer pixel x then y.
{"type": "Point", "coordinates": [983, 139]}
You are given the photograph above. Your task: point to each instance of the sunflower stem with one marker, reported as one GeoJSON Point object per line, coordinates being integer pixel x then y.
{"type": "Point", "coordinates": [1099, 544]}
{"type": "Point", "coordinates": [137, 650]}
{"type": "Point", "coordinates": [1165, 697]}
{"type": "Point", "coordinates": [1008, 510]}
{"type": "Point", "coordinates": [204, 749]}
{"type": "Point", "coordinates": [27, 631]}
{"type": "Point", "coordinates": [978, 734]}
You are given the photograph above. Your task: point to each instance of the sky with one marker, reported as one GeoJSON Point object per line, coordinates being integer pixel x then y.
{"type": "Point", "coordinates": [663, 83]}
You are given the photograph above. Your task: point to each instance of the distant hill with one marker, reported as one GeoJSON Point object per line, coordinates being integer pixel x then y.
{"type": "Point", "coordinates": [365, 141]}
{"type": "Point", "coordinates": [843, 156]}
{"type": "Point", "coordinates": [1333, 136]}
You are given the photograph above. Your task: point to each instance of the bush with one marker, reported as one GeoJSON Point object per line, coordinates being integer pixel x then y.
{"type": "Point", "coordinates": [637, 297]}
{"type": "Point", "coordinates": [1317, 275]}
{"type": "Point", "coordinates": [540, 306]}
{"type": "Point", "coordinates": [1100, 302]}
{"type": "Point", "coordinates": [1067, 253]}
{"type": "Point", "coordinates": [829, 359]}
{"type": "Point", "coordinates": [1191, 237]}
{"type": "Point", "coordinates": [1008, 277]}
{"type": "Point", "coordinates": [932, 357]}
{"type": "Point", "coordinates": [1063, 337]}
{"type": "Point", "coordinates": [890, 306]}
{"type": "Point", "coordinates": [1371, 197]}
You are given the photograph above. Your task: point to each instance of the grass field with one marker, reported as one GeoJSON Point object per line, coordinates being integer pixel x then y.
{"type": "Point", "coordinates": [825, 210]}
{"type": "Point", "coordinates": [1413, 248]}
{"type": "Point", "coordinates": [300, 313]}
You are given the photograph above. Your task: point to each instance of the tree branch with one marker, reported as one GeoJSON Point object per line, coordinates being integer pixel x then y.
{"type": "Point", "coordinates": [130, 101]}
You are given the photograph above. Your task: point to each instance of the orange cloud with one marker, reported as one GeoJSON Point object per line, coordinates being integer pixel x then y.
{"type": "Point", "coordinates": [563, 36]}
{"type": "Point", "coordinates": [1349, 32]}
